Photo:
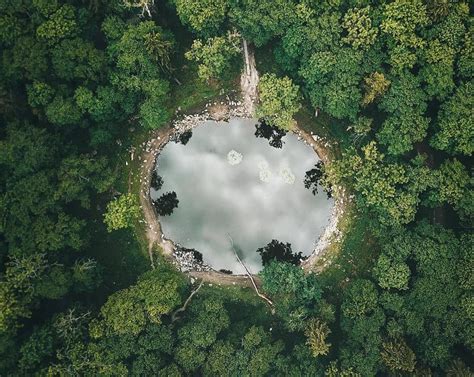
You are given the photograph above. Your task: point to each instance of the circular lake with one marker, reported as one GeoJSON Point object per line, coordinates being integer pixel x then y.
{"type": "Point", "coordinates": [240, 179]}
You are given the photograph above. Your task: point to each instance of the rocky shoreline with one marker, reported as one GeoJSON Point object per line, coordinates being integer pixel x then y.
{"type": "Point", "coordinates": [220, 111]}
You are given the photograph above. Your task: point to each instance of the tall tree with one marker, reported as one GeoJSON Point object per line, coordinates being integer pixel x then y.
{"type": "Point", "coordinates": [279, 101]}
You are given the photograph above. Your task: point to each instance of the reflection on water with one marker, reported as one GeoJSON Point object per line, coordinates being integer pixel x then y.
{"type": "Point", "coordinates": [166, 203]}
{"type": "Point", "coordinates": [279, 251]}
{"type": "Point", "coordinates": [312, 178]}
{"type": "Point", "coordinates": [259, 199]}
{"type": "Point", "coordinates": [273, 134]}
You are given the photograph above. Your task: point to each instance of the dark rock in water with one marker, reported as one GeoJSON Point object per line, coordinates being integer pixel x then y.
{"type": "Point", "coordinates": [224, 271]}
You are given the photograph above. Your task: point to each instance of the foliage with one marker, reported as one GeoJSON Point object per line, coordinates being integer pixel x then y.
{"type": "Point", "coordinates": [122, 212]}
{"type": "Point", "coordinates": [375, 86]}
{"type": "Point", "coordinates": [317, 332]}
{"type": "Point", "coordinates": [298, 295]}
{"type": "Point", "coordinates": [204, 17]}
{"type": "Point", "coordinates": [406, 124]}
{"type": "Point", "coordinates": [156, 293]}
{"type": "Point", "coordinates": [360, 33]}
{"type": "Point", "coordinates": [455, 127]}
{"type": "Point", "coordinates": [397, 355]}
{"type": "Point", "coordinates": [391, 190]}
{"type": "Point", "coordinates": [214, 55]}
{"type": "Point", "coordinates": [259, 21]}
{"type": "Point", "coordinates": [279, 101]}
{"type": "Point", "coordinates": [76, 79]}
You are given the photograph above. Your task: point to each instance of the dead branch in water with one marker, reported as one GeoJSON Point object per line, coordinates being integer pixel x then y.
{"type": "Point", "coordinates": [174, 316]}
{"type": "Point", "coordinates": [250, 275]}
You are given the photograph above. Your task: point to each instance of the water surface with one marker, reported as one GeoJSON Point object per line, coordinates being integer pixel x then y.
{"type": "Point", "coordinates": [230, 182]}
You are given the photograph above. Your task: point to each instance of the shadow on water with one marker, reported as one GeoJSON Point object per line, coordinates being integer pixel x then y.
{"type": "Point", "coordinates": [279, 251]}
{"type": "Point", "coordinates": [273, 134]}
{"type": "Point", "coordinates": [166, 203]}
{"type": "Point", "coordinates": [312, 178]}
{"type": "Point", "coordinates": [217, 197]}
{"type": "Point", "coordinates": [184, 137]}
{"type": "Point", "coordinates": [156, 181]}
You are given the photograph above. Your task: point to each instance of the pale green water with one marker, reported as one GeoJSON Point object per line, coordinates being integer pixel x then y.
{"type": "Point", "coordinates": [254, 201]}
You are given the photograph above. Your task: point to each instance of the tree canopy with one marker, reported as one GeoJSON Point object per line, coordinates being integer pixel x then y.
{"type": "Point", "coordinates": [384, 88]}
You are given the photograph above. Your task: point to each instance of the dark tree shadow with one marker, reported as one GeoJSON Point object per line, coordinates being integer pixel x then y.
{"type": "Point", "coordinates": [166, 203]}
{"type": "Point", "coordinates": [313, 177]}
{"type": "Point", "coordinates": [184, 137]}
{"type": "Point", "coordinates": [156, 181]}
{"type": "Point", "coordinates": [272, 133]}
{"type": "Point", "coordinates": [280, 252]}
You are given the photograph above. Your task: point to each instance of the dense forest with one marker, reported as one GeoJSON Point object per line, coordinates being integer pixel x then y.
{"type": "Point", "coordinates": [389, 82]}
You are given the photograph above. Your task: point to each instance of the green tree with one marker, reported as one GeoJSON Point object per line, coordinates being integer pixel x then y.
{"type": "Point", "coordinates": [361, 299]}
{"type": "Point", "coordinates": [63, 111]}
{"type": "Point", "coordinates": [297, 296]}
{"type": "Point", "coordinates": [204, 17]}
{"type": "Point", "coordinates": [214, 56]}
{"type": "Point", "coordinates": [438, 71]}
{"type": "Point", "coordinates": [316, 332]}
{"type": "Point", "coordinates": [81, 176]}
{"type": "Point", "coordinates": [455, 131]}
{"type": "Point", "coordinates": [122, 212]}
{"type": "Point", "coordinates": [402, 21]}
{"type": "Point", "coordinates": [405, 101]}
{"type": "Point", "coordinates": [391, 190]}
{"type": "Point", "coordinates": [361, 322]}
{"type": "Point", "coordinates": [358, 24]}
{"type": "Point", "coordinates": [279, 101]}
{"type": "Point", "coordinates": [59, 25]}
{"type": "Point", "coordinates": [260, 21]}
{"type": "Point", "coordinates": [36, 348]}
{"type": "Point", "coordinates": [17, 289]}
{"type": "Point", "coordinates": [392, 274]}
{"type": "Point", "coordinates": [398, 356]}
{"type": "Point", "coordinates": [138, 60]}
{"type": "Point", "coordinates": [332, 78]}
{"type": "Point", "coordinates": [128, 311]}
{"type": "Point", "coordinates": [453, 186]}
{"type": "Point", "coordinates": [375, 86]}
{"type": "Point", "coordinates": [76, 58]}
{"type": "Point", "coordinates": [465, 65]}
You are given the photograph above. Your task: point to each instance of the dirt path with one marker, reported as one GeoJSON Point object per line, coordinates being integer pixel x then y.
{"type": "Point", "coordinates": [219, 278]}
{"type": "Point", "coordinates": [154, 233]}
{"type": "Point", "coordinates": [249, 80]}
